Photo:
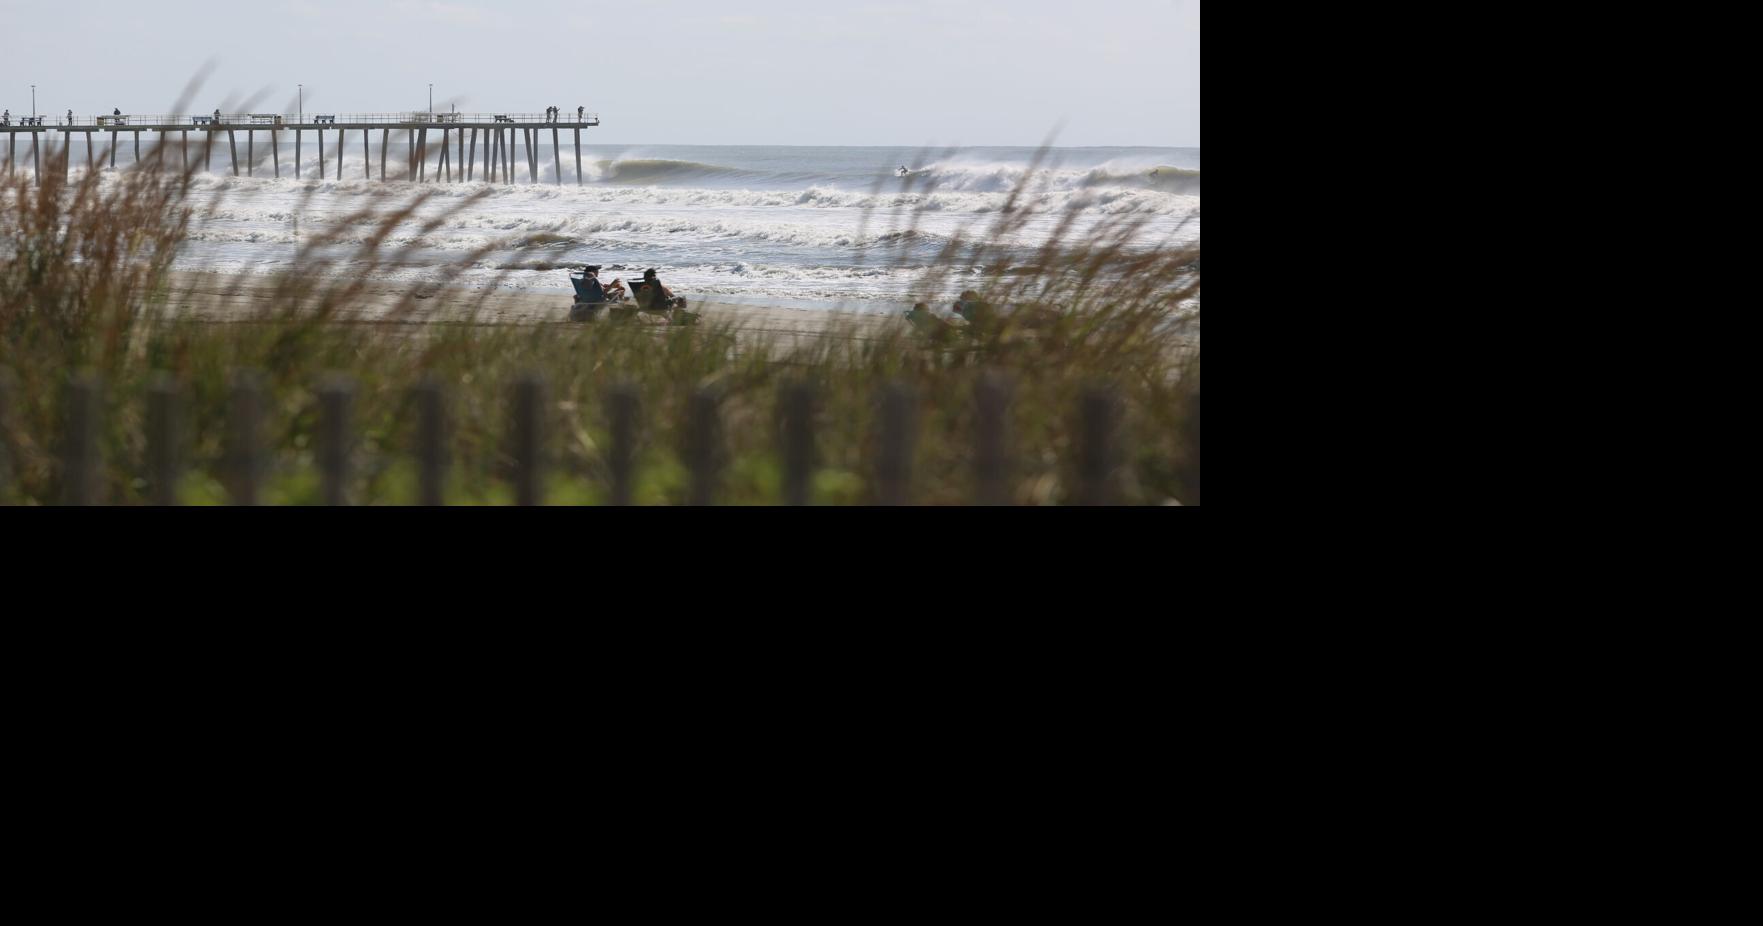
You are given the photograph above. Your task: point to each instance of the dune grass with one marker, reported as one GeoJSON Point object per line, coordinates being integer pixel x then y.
{"type": "Point", "coordinates": [86, 289]}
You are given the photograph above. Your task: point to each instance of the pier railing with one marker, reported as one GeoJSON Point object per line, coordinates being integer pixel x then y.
{"type": "Point", "coordinates": [274, 120]}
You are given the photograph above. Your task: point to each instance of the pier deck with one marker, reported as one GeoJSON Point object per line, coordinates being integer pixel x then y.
{"type": "Point", "coordinates": [502, 133]}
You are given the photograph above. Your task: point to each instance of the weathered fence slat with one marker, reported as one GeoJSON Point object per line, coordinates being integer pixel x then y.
{"type": "Point", "coordinates": [703, 456]}
{"type": "Point", "coordinates": [529, 399]}
{"type": "Point", "coordinates": [1190, 466]}
{"type": "Point", "coordinates": [164, 459]}
{"type": "Point", "coordinates": [898, 440]}
{"type": "Point", "coordinates": [431, 444]}
{"type": "Point", "coordinates": [80, 464]}
{"type": "Point", "coordinates": [335, 400]}
{"type": "Point", "coordinates": [244, 427]}
{"type": "Point", "coordinates": [1098, 460]}
{"type": "Point", "coordinates": [991, 463]}
{"type": "Point", "coordinates": [797, 412]}
{"type": "Point", "coordinates": [621, 411]}
{"type": "Point", "coordinates": [8, 464]}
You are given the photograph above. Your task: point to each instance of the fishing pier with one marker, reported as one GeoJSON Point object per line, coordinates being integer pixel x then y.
{"type": "Point", "coordinates": [450, 140]}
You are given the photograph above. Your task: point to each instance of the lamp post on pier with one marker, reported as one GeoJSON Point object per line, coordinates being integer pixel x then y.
{"type": "Point", "coordinates": [302, 105]}
{"type": "Point", "coordinates": [33, 102]}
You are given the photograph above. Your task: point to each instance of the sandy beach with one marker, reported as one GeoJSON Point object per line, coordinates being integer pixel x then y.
{"type": "Point", "coordinates": [238, 298]}
{"type": "Point", "coordinates": [224, 298]}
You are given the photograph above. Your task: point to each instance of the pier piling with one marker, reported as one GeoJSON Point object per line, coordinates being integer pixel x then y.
{"type": "Point", "coordinates": [557, 156]}
{"type": "Point", "coordinates": [114, 141]}
{"type": "Point", "coordinates": [578, 157]}
{"type": "Point", "coordinates": [366, 156]}
{"type": "Point", "coordinates": [232, 140]}
{"type": "Point", "coordinates": [296, 154]}
{"type": "Point", "coordinates": [275, 153]}
{"type": "Point", "coordinates": [471, 157]}
{"type": "Point", "coordinates": [385, 139]}
{"type": "Point", "coordinates": [342, 139]}
{"type": "Point", "coordinates": [250, 152]}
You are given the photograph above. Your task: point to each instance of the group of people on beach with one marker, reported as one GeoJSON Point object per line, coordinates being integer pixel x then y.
{"type": "Point", "coordinates": [553, 114]}
{"type": "Point", "coordinates": [979, 315]}
{"type": "Point", "coordinates": [651, 295]}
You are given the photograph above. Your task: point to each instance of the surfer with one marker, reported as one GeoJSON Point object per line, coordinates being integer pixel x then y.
{"type": "Point", "coordinates": [904, 171]}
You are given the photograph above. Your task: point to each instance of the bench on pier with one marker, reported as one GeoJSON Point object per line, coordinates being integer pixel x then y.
{"type": "Point", "coordinates": [265, 119]}
{"type": "Point", "coordinates": [113, 120]}
{"type": "Point", "coordinates": [324, 120]}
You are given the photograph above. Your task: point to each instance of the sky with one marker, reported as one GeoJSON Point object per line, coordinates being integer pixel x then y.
{"type": "Point", "coordinates": [763, 72]}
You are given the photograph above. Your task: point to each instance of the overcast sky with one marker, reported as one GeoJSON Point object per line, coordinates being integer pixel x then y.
{"type": "Point", "coordinates": [786, 72]}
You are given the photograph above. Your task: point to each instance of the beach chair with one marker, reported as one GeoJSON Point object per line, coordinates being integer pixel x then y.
{"type": "Point", "coordinates": [673, 309]}
{"type": "Point", "coordinates": [581, 310]}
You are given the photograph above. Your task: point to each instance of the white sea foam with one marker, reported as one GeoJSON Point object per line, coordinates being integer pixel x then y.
{"type": "Point", "coordinates": [822, 223]}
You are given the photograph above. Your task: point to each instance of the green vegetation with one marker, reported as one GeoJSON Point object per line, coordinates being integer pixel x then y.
{"type": "Point", "coordinates": [85, 287]}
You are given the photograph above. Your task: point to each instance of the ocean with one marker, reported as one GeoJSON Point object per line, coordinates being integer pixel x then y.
{"type": "Point", "coordinates": [807, 227]}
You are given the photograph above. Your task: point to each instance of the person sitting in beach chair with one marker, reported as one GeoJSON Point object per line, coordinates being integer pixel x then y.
{"type": "Point", "coordinates": [932, 326]}
{"type": "Point", "coordinates": [590, 296]}
{"type": "Point", "coordinates": [590, 290]}
{"type": "Point", "coordinates": [973, 309]}
{"type": "Point", "coordinates": [983, 316]}
{"type": "Point", "coordinates": [654, 297]}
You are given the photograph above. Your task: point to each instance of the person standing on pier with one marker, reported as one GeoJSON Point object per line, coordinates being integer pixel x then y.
{"type": "Point", "coordinates": [581, 113]}
{"type": "Point", "coordinates": [6, 119]}
{"type": "Point", "coordinates": [70, 117]}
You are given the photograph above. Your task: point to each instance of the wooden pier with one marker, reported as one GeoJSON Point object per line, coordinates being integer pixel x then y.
{"type": "Point", "coordinates": [501, 134]}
